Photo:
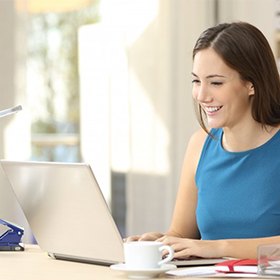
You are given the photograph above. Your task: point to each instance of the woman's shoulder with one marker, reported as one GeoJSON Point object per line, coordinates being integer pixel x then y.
{"type": "Point", "coordinates": [198, 138]}
{"type": "Point", "coordinates": [195, 145]}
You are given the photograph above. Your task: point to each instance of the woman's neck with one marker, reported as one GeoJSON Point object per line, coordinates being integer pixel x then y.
{"type": "Point", "coordinates": [247, 138]}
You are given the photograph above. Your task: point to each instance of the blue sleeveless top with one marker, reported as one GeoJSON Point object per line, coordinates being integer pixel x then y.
{"type": "Point", "coordinates": [238, 192]}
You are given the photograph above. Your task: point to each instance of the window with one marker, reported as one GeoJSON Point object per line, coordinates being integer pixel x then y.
{"type": "Point", "coordinates": [53, 82]}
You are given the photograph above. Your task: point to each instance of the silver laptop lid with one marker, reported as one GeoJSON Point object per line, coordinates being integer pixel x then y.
{"type": "Point", "coordinates": [66, 210]}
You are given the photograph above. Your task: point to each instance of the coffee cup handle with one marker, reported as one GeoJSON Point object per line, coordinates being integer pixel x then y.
{"type": "Point", "coordinates": [170, 255]}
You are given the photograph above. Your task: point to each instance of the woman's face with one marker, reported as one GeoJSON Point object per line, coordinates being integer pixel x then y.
{"type": "Point", "coordinates": [220, 91]}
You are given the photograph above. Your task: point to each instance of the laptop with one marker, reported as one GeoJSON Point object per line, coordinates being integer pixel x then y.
{"type": "Point", "coordinates": [68, 214]}
{"type": "Point", "coordinates": [66, 210]}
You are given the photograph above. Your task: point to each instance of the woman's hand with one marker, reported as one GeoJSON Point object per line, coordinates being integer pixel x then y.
{"type": "Point", "coordinates": [149, 236]}
{"type": "Point", "coordinates": [185, 248]}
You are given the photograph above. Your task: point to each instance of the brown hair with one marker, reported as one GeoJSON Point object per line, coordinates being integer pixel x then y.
{"type": "Point", "coordinates": [245, 49]}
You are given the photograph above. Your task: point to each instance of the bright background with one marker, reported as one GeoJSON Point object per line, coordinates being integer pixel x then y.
{"type": "Point", "coordinates": [108, 82]}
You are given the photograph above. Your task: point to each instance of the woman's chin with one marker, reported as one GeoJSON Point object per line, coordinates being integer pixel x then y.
{"type": "Point", "coordinates": [211, 125]}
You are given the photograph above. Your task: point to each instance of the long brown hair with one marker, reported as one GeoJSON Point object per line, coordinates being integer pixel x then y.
{"type": "Point", "coordinates": [245, 49]}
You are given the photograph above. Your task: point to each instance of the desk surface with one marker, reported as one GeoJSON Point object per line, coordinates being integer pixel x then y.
{"type": "Point", "coordinates": [33, 263]}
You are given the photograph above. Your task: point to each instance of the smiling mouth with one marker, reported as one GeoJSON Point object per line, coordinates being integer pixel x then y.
{"type": "Point", "coordinates": [212, 109]}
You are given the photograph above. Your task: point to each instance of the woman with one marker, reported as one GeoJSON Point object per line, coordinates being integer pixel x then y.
{"type": "Point", "coordinates": [228, 201]}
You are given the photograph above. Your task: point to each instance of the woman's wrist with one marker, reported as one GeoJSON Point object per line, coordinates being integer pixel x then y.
{"type": "Point", "coordinates": [238, 248]}
{"type": "Point", "coordinates": [224, 248]}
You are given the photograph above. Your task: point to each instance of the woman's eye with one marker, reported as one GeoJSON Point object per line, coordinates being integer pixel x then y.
{"type": "Point", "coordinates": [216, 83]}
{"type": "Point", "coordinates": [195, 81]}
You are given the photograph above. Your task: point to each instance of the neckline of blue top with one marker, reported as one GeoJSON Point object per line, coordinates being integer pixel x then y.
{"type": "Point", "coordinates": [219, 134]}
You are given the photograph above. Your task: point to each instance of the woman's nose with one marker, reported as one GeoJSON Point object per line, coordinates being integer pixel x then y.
{"type": "Point", "coordinates": [203, 95]}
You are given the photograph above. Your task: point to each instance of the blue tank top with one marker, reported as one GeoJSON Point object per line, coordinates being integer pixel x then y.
{"type": "Point", "coordinates": [238, 192]}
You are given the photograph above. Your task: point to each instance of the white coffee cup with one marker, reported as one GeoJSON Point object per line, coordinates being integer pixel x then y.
{"type": "Point", "coordinates": [146, 254]}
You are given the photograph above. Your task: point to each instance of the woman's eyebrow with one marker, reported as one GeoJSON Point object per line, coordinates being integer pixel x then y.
{"type": "Point", "coordinates": [211, 76]}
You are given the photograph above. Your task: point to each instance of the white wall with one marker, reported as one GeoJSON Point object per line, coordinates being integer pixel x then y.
{"type": "Point", "coordinates": [260, 13]}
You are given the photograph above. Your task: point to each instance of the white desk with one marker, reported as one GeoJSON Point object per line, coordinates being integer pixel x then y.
{"type": "Point", "coordinates": [35, 264]}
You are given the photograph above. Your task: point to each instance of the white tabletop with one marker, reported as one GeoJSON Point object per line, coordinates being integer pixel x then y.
{"type": "Point", "coordinates": [33, 263]}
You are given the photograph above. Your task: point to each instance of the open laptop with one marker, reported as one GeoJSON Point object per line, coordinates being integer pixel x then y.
{"type": "Point", "coordinates": [67, 212]}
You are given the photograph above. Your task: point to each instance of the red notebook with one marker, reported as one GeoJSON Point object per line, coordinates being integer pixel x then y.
{"type": "Point", "coordinates": [238, 266]}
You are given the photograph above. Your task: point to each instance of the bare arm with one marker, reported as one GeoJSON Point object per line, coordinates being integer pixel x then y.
{"type": "Point", "coordinates": [184, 220]}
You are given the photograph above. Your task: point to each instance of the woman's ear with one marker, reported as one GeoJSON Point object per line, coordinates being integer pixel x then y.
{"type": "Point", "coordinates": [251, 89]}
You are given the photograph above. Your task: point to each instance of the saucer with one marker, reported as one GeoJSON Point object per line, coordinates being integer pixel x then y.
{"type": "Point", "coordinates": [142, 273]}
